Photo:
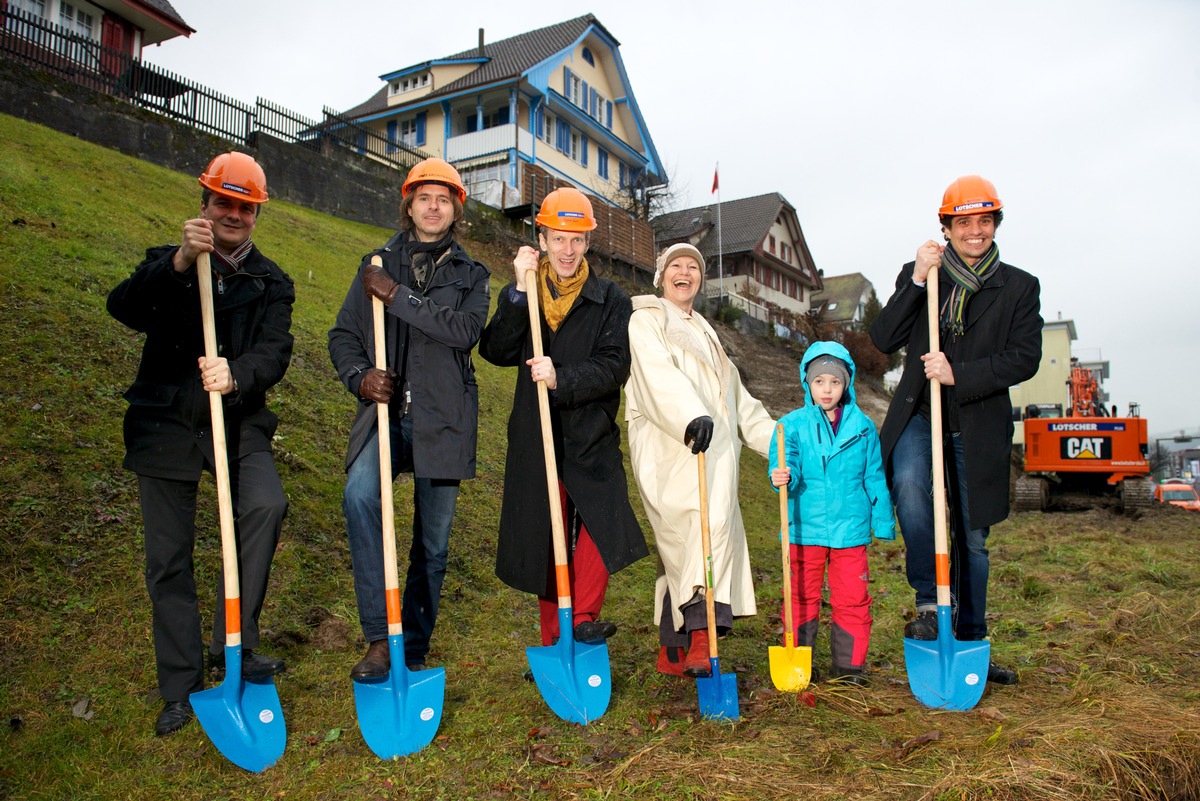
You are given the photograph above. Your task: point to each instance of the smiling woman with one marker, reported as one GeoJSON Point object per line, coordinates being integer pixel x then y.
{"type": "Point", "coordinates": [684, 397]}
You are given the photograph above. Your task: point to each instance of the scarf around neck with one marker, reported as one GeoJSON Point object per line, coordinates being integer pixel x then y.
{"type": "Point", "coordinates": [421, 259]}
{"type": "Point", "coordinates": [557, 295]}
{"type": "Point", "coordinates": [228, 265]}
{"type": "Point", "coordinates": [967, 281]}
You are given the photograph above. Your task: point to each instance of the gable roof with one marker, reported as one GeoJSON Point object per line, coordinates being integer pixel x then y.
{"type": "Point", "coordinates": [158, 19]}
{"type": "Point", "coordinates": [505, 59]}
{"type": "Point", "coordinates": [843, 290]}
{"type": "Point", "coordinates": [744, 223]}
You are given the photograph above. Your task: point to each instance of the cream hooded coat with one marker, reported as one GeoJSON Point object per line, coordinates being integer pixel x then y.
{"type": "Point", "coordinates": [680, 372]}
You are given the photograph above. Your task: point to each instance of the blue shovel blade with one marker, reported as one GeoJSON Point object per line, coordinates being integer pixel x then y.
{"type": "Point", "coordinates": [242, 718]}
{"type": "Point", "coordinates": [718, 694]}
{"type": "Point", "coordinates": [573, 677]}
{"type": "Point", "coordinates": [400, 714]}
{"type": "Point", "coordinates": [947, 673]}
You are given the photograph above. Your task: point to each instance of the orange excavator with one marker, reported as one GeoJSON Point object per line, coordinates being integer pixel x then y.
{"type": "Point", "coordinates": [1088, 451]}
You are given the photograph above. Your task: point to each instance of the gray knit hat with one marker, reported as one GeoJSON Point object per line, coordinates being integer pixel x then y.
{"type": "Point", "coordinates": [827, 365]}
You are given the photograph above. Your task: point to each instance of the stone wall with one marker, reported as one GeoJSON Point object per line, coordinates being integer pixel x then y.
{"type": "Point", "coordinates": [335, 181]}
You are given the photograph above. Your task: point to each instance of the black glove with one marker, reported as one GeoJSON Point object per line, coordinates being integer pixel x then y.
{"type": "Point", "coordinates": [699, 434]}
{"type": "Point", "coordinates": [377, 385]}
{"type": "Point", "coordinates": [378, 283]}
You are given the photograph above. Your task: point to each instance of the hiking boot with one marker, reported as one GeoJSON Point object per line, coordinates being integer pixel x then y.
{"type": "Point", "coordinates": [175, 715]}
{"type": "Point", "coordinates": [255, 666]}
{"type": "Point", "coordinates": [697, 664]}
{"type": "Point", "coordinates": [846, 676]}
{"type": "Point", "coordinates": [594, 631]}
{"type": "Point", "coordinates": [670, 660]}
{"type": "Point", "coordinates": [923, 627]}
{"type": "Point", "coordinates": [1001, 675]}
{"type": "Point", "coordinates": [376, 663]}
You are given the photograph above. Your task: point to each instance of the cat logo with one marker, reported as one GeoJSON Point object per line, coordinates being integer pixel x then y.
{"type": "Point", "coordinates": [1086, 448]}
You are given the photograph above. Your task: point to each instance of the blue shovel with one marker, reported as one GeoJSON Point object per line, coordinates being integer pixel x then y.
{"type": "Point", "coordinates": [573, 677]}
{"type": "Point", "coordinates": [943, 673]}
{"type": "Point", "coordinates": [241, 717]}
{"type": "Point", "coordinates": [717, 694]}
{"type": "Point", "coordinates": [399, 714]}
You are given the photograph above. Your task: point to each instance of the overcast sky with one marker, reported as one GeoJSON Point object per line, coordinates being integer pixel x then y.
{"type": "Point", "coordinates": [1084, 113]}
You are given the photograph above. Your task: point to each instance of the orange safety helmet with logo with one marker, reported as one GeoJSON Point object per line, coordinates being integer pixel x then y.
{"type": "Point", "coordinates": [236, 175]}
{"type": "Point", "coordinates": [567, 209]}
{"type": "Point", "coordinates": [434, 171]}
{"type": "Point", "coordinates": [971, 194]}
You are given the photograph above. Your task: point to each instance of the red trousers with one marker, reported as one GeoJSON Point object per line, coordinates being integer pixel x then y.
{"type": "Point", "coordinates": [589, 582]}
{"type": "Point", "coordinates": [848, 596]}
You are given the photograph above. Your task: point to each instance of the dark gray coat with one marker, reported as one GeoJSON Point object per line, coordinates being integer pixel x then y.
{"type": "Point", "coordinates": [436, 331]}
{"type": "Point", "coordinates": [168, 426]}
{"type": "Point", "coordinates": [1001, 346]}
{"type": "Point", "coordinates": [590, 352]}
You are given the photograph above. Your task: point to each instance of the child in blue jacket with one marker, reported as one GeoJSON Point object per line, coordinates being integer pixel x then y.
{"type": "Point", "coordinates": [838, 498]}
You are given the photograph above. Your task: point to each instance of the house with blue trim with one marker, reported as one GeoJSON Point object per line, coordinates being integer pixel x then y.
{"type": "Point", "coordinates": [525, 115]}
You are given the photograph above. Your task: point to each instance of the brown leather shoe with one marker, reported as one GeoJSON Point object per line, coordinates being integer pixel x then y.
{"type": "Point", "coordinates": [670, 660]}
{"type": "Point", "coordinates": [376, 663]}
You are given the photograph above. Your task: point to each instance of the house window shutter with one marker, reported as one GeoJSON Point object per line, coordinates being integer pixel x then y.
{"type": "Point", "coordinates": [608, 114]}
{"type": "Point", "coordinates": [583, 98]}
{"type": "Point", "coordinates": [583, 149]}
{"type": "Point", "coordinates": [421, 129]}
{"type": "Point", "coordinates": [391, 136]}
{"type": "Point", "coordinates": [567, 82]}
{"type": "Point", "coordinates": [539, 118]}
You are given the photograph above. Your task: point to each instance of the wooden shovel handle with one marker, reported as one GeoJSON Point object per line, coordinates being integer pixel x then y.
{"type": "Point", "coordinates": [710, 605]}
{"type": "Point", "coordinates": [789, 632]}
{"type": "Point", "coordinates": [941, 547]}
{"type": "Point", "coordinates": [561, 577]}
{"type": "Point", "coordinates": [216, 404]}
{"type": "Point", "coordinates": [391, 579]}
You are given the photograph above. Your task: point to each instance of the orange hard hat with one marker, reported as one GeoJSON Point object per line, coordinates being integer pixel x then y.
{"type": "Point", "coordinates": [434, 171]}
{"type": "Point", "coordinates": [236, 175]}
{"type": "Point", "coordinates": [971, 194]}
{"type": "Point", "coordinates": [567, 209]}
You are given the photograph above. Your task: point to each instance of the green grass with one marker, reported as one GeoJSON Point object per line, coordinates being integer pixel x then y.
{"type": "Point", "coordinates": [1099, 613]}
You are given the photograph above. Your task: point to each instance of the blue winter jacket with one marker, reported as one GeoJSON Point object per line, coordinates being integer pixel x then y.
{"type": "Point", "coordinates": [838, 494]}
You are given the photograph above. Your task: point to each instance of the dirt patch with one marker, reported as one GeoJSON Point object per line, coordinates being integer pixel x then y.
{"type": "Point", "coordinates": [771, 372]}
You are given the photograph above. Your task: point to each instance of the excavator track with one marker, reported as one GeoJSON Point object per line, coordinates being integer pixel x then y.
{"type": "Point", "coordinates": [1136, 493]}
{"type": "Point", "coordinates": [1031, 494]}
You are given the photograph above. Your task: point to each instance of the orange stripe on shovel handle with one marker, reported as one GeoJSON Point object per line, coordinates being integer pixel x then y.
{"type": "Point", "coordinates": [942, 566]}
{"type": "Point", "coordinates": [393, 605]}
{"type": "Point", "coordinates": [233, 616]}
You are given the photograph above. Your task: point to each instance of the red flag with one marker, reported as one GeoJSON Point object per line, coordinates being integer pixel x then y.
{"type": "Point", "coordinates": [715, 171]}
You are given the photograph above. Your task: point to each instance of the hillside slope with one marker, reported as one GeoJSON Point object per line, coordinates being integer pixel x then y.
{"type": "Point", "coordinates": [1100, 614]}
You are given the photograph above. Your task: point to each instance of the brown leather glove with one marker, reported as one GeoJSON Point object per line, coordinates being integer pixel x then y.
{"type": "Point", "coordinates": [377, 385]}
{"type": "Point", "coordinates": [378, 283]}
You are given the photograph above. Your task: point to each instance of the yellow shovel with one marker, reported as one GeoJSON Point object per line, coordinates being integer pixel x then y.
{"type": "Point", "coordinates": [791, 666]}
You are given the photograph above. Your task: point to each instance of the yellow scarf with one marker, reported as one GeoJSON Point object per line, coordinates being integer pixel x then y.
{"type": "Point", "coordinates": [554, 309]}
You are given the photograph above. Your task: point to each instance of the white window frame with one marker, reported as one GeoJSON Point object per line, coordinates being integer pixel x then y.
{"type": "Point", "coordinates": [548, 128]}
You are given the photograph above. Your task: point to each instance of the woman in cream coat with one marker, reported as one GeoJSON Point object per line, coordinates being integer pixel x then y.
{"type": "Point", "coordinates": [684, 396]}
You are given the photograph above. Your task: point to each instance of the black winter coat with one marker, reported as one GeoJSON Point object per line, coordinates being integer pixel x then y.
{"type": "Point", "coordinates": [439, 327]}
{"type": "Point", "coordinates": [168, 426]}
{"type": "Point", "coordinates": [1001, 346]}
{"type": "Point", "coordinates": [590, 352]}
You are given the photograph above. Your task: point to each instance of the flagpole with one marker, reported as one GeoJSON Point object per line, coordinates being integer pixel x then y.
{"type": "Point", "coordinates": [720, 244]}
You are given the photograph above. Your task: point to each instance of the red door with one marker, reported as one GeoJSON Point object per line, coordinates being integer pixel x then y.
{"type": "Point", "coordinates": [116, 34]}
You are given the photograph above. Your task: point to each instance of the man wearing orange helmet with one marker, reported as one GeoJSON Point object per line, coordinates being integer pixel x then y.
{"type": "Point", "coordinates": [168, 438]}
{"type": "Point", "coordinates": [437, 300]}
{"type": "Point", "coordinates": [585, 325]}
{"type": "Point", "coordinates": [991, 339]}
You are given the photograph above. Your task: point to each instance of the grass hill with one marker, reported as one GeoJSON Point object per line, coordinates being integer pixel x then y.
{"type": "Point", "coordinates": [1099, 613]}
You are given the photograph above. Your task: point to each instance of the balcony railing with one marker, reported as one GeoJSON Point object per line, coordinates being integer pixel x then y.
{"type": "Point", "coordinates": [488, 142]}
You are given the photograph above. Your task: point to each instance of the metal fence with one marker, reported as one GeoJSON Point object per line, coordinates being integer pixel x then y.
{"type": "Point", "coordinates": [35, 41]}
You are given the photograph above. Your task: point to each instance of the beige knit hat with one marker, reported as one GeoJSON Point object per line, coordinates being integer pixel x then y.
{"type": "Point", "coordinates": [665, 258]}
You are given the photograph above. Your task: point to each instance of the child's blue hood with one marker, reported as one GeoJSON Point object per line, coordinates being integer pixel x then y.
{"type": "Point", "coordinates": [828, 349]}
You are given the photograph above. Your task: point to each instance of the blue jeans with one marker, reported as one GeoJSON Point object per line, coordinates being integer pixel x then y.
{"type": "Point", "coordinates": [434, 502]}
{"type": "Point", "coordinates": [912, 492]}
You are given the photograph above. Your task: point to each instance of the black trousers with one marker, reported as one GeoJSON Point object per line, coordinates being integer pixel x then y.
{"type": "Point", "coordinates": [169, 519]}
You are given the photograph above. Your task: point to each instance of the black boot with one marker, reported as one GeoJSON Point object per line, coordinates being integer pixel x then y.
{"type": "Point", "coordinates": [923, 627]}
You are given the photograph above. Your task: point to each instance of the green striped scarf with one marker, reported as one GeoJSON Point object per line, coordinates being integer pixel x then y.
{"type": "Point", "coordinates": [967, 281]}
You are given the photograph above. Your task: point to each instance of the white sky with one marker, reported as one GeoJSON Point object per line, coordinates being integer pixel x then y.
{"type": "Point", "coordinates": [1084, 113]}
